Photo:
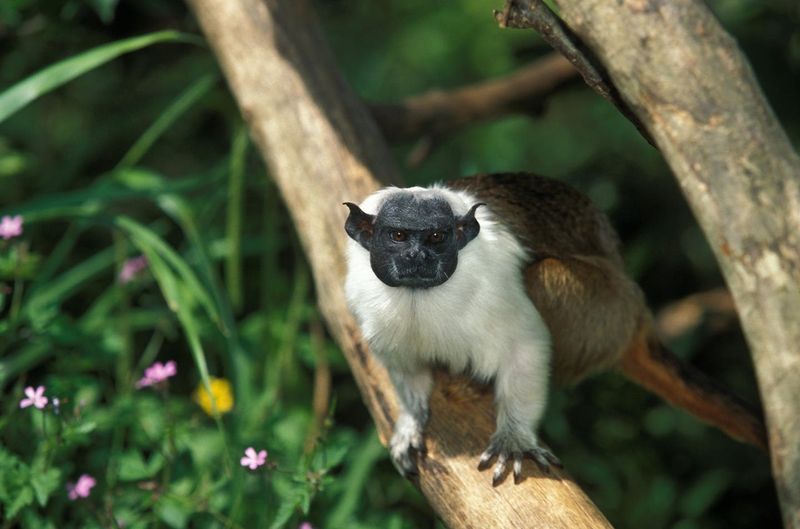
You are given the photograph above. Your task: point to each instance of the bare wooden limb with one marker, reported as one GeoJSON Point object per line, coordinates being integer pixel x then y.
{"type": "Point", "coordinates": [322, 149]}
{"type": "Point", "coordinates": [523, 14]}
{"type": "Point", "coordinates": [681, 316]}
{"type": "Point", "coordinates": [438, 112]}
{"type": "Point", "coordinates": [690, 85]}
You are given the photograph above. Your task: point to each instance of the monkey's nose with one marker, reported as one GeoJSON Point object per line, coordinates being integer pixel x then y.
{"type": "Point", "coordinates": [413, 254]}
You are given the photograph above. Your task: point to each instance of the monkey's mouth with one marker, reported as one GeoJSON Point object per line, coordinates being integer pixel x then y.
{"type": "Point", "coordinates": [420, 281]}
{"type": "Point", "coordinates": [420, 277]}
{"type": "Point", "coordinates": [412, 275]}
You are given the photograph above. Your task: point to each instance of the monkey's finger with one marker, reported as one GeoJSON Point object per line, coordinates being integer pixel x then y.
{"type": "Point", "coordinates": [404, 463]}
{"type": "Point", "coordinates": [499, 468]}
{"type": "Point", "coordinates": [486, 458]}
{"type": "Point", "coordinates": [540, 460]}
{"type": "Point", "coordinates": [517, 467]}
{"type": "Point", "coordinates": [553, 460]}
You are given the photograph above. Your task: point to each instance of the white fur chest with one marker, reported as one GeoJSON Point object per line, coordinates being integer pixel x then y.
{"type": "Point", "coordinates": [474, 321]}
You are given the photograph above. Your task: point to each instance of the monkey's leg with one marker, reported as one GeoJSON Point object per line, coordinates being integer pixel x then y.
{"type": "Point", "coordinates": [414, 389]}
{"type": "Point", "coordinates": [521, 396]}
{"type": "Point", "coordinates": [598, 320]}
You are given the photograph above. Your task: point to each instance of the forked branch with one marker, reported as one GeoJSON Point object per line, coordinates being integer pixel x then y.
{"type": "Point", "coordinates": [323, 149]}
{"type": "Point", "coordinates": [535, 14]}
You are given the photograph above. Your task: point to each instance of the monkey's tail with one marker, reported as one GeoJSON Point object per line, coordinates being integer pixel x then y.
{"type": "Point", "coordinates": [650, 364]}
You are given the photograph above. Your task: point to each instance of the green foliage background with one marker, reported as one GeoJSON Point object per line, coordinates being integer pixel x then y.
{"type": "Point", "coordinates": [144, 153]}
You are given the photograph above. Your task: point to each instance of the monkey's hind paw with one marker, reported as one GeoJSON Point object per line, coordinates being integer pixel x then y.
{"type": "Point", "coordinates": [402, 446]}
{"type": "Point", "coordinates": [507, 446]}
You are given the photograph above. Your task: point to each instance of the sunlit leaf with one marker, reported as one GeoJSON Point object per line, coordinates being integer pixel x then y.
{"type": "Point", "coordinates": [51, 77]}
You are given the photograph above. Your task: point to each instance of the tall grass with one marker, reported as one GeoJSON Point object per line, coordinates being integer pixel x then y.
{"type": "Point", "coordinates": [225, 294]}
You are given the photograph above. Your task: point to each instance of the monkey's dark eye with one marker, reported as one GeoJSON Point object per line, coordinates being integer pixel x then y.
{"type": "Point", "coordinates": [399, 236]}
{"type": "Point", "coordinates": [437, 236]}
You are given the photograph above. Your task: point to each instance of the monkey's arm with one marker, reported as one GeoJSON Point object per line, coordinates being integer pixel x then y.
{"type": "Point", "coordinates": [520, 390]}
{"type": "Point", "coordinates": [414, 389]}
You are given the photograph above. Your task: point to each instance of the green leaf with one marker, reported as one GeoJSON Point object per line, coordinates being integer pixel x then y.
{"type": "Point", "coordinates": [17, 264]}
{"type": "Point", "coordinates": [133, 467]}
{"type": "Point", "coordinates": [23, 498]}
{"type": "Point", "coordinates": [44, 483]}
{"type": "Point", "coordinates": [173, 512]}
{"type": "Point", "coordinates": [205, 447]}
{"type": "Point", "coordinates": [702, 494]}
{"type": "Point", "coordinates": [30, 519]}
{"type": "Point", "coordinates": [13, 473]}
{"type": "Point", "coordinates": [105, 9]}
{"type": "Point", "coordinates": [64, 71]}
{"type": "Point", "coordinates": [330, 456]}
{"type": "Point", "coordinates": [286, 510]}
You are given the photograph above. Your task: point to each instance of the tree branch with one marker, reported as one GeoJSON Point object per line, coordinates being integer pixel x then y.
{"type": "Point", "coordinates": [323, 149]}
{"type": "Point", "coordinates": [524, 14]}
{"type": "Point", "coordinates": [438, 112]}
{"type": "Point", "coordinates": [682, 315]}
{"type": "Point", "coordinates": [692, 88]}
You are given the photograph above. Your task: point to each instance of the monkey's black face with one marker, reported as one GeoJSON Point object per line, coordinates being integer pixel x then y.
{"type": "Point", "coordinates": [413, 242]}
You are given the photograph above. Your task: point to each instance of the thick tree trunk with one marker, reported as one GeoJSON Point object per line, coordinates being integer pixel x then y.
{"type": "Point", "coordinates": [323, 149]}
{"type": "Point", "coordinates": [690, 85]}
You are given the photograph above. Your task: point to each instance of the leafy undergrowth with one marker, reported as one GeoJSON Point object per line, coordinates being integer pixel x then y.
{"type": "Point", "coordinates": [152, 289]}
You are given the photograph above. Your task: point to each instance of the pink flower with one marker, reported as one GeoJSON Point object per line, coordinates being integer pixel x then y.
{"type": "Point", "coordinates": [10, 227]}
{"type": "Point", "coordinates": [35, 398]}
{"type": "Point", "coordinates": [82, 488]}
{"type": "Point", "coordinates": [305, 525]}
{"type": "Point", "coordinates": [254, 459]}
{"type": "Point", "coordinates": [131, 267]}
{"type": "Point", "coordinates": [156, 373]}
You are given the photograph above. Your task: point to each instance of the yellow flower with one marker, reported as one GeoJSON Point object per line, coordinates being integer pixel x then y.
{"type": "Point", "coordinates": [220, 390]}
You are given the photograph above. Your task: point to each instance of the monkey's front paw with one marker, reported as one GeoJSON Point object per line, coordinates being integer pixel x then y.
{"type": "Point", "coordinates": [406, 440]}
{"type": "Point", "coordinates": [516, 446]}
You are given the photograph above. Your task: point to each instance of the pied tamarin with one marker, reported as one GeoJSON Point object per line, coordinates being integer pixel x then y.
{"type": "Point", "coordinates": [511, 279]}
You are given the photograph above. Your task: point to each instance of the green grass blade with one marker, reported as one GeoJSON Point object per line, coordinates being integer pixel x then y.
{"type": "Point", "coordinates": [125, 184]}
{"type": "Point", "coordinates": [179, 296]}
{"type": "Point", "coordinates": [144, 237]}
{"type": "Point", "coordinates": [57, 290]}
{"type": "Point", "coordinates": [356, 479]}
{"type": "Point", "coordinates": [233, 229]}
{"type": "Point", "coordinates": [51, 77]}
{"type": "Point", "coordinates": [27, 357]}
{"type": "Point", "coordinates": [58, 256]}
{"type": "Point", "coordinates": [179, 210]}
{"type": "Point", "coordinates": [173, 112]}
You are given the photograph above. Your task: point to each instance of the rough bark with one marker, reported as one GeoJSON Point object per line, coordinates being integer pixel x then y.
{"type": "Point", "coordinates": [322, 149]}
{"type": "Point", "coordinates": [536, 14]}
{"type": "Point", "coordinates": [690, 85]}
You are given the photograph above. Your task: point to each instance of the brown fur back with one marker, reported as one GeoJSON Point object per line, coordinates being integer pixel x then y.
{"type": "Point", "coordinates": [575, 277]}
{"type": "Point", "coordinates": [596, 314]}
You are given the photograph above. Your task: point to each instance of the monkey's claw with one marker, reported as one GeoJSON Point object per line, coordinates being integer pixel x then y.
{"type": "Point", "coordinates": [505, 446]}
{"type": "Point", "coordinates": [402, 446]}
